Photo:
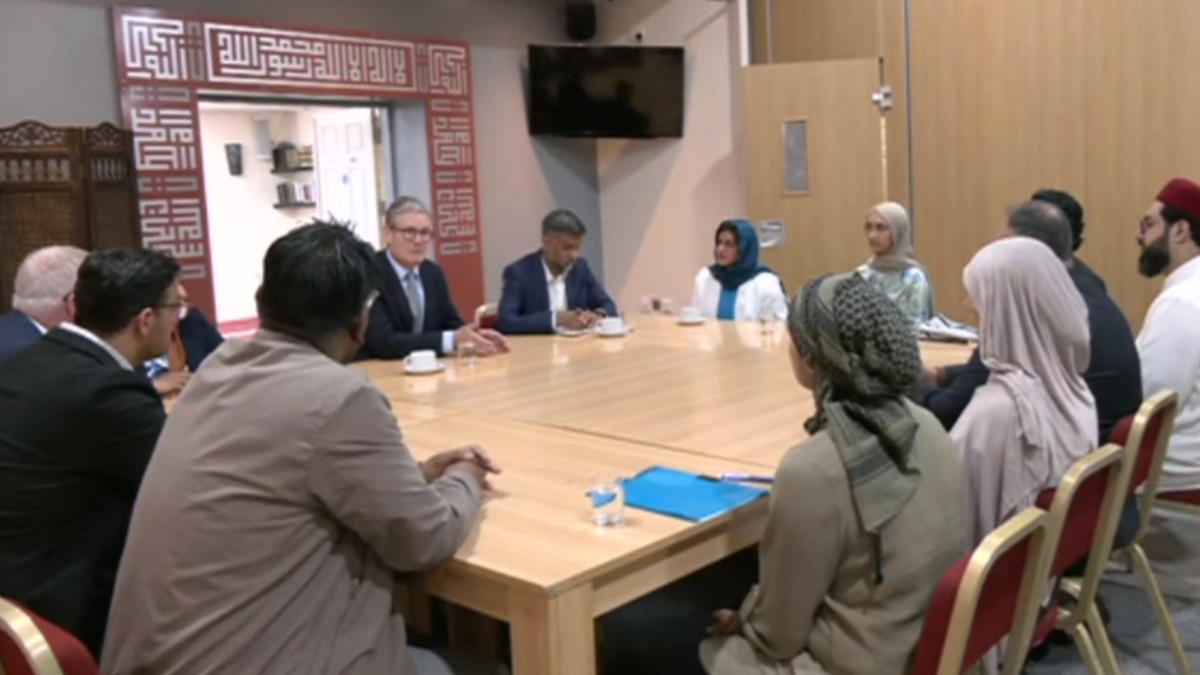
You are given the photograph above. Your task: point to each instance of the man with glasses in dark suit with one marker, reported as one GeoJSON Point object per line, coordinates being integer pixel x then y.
{"type": "Point", "coordinates": [78, 423]}
{"type": "Point", "coordinates": [414, 311]}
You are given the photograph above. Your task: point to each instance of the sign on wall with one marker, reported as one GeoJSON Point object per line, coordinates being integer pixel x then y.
{"type": "Point", "coordinates": [166, 60]}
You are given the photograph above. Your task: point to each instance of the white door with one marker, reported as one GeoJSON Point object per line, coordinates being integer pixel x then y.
{"type": "Point", "coordinates": [345, 165]}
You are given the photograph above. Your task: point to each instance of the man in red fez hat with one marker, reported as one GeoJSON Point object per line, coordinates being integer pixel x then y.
{"type": "Point", "coordinates": [1170, 341]}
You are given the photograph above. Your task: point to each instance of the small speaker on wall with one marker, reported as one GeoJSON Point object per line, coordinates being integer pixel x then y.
{"type": "Point", "coordinates": [581, 20]}
{"type": "Point", "coordinates": [233, 155]}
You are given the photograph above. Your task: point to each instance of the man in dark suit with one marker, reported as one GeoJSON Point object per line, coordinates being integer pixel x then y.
{"type": "Point", "coordinates": [1073, 210]}
{"type": "Point", "coordinates": [414, 310]}
{"type": "Point", "coordinates": [78, 423]}
{"type": "Point", "coordinates": [41, 296]}
{"type": "Point", "coordinates": [553, 289]}
{"type": "Point", "coordinates": [1114, 373]}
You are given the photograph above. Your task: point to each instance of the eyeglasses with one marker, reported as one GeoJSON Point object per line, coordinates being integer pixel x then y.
{"type": "Point", "coordinates": [413, 234]}
{"type": "Point", "coordinates": [181, 308]}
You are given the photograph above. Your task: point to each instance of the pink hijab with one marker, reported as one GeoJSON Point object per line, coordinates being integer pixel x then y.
{"type": "Point", "coordinates": [1034, 338]}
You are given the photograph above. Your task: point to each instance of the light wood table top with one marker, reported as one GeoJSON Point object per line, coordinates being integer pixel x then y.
{"type": "Point", "coordinates": [536, 526]}
{"type": "Point", "coordinates": [719, 389]}
{"type": "Point", "coordinates": [554, 412]}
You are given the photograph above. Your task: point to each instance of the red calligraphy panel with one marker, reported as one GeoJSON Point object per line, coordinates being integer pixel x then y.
{"type": "Point", "coordinates": [165, 60]}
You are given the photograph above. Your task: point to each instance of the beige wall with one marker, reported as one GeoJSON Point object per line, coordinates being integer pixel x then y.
{"type": "Point", "coordinates": [57, 65]}
{"type": "Point", "coordinates": [661, 200]}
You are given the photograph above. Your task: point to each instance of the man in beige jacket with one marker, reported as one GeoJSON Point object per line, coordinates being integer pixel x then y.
{"type": "Point", "coordinates": [281, 499]}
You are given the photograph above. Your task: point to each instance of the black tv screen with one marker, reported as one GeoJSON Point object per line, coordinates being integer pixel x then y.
{"type": "Point", "coordinates": [607, 92]}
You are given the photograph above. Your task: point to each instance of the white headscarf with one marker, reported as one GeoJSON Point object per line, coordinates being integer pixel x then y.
{"type": "Point", "coordinates": [1034, 338]}
{"type": "Point", "coordinates": [900, 257]}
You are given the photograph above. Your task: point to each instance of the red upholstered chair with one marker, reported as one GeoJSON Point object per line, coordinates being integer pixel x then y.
{"type": "Point", "coordinates": [974, 606]}
{"type": "Point", "coordinates": [485, 315]}
{"type": "Point", "coordinates": [1084, 512]}
{"type": "Point", "coordinates": [30, 645]}
{"type": "Point", "coordinates": [1149, 432]}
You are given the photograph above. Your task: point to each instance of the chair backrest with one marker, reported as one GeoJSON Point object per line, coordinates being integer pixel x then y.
{"type": "Point", "coordinates": [973, 607]}
{"type": "Point", "coordinates": [1150, 437]}
{"type": "Point", "coordinates": [1084, 513]}
{"type": "Point", "coordinates": [30, 645]}
{"type": "Point", "coordinates": [485, 315]}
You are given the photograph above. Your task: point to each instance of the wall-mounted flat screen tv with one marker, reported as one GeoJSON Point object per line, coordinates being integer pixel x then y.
{"type": "Point", "coordinates": [606, 92]}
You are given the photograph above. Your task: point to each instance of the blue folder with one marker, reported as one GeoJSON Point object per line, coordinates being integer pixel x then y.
{"type": "Point", "coordinates": [685, 495]}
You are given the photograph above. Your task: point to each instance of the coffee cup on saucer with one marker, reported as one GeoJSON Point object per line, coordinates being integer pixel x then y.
{"type": "Point", "coordinates": [421, 361]}
{"type": "Point", "coordinates": [612, 325]}
{"type": "Point", "coordinates": [691, 315]}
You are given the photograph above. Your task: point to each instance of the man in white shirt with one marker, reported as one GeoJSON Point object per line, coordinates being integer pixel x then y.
{"type": "Point", "coordinates": [41, 296]}
{"type": "Point", "coordinates": [1169, 344]}
{"type": "Point", "coordinates": [553, 288]}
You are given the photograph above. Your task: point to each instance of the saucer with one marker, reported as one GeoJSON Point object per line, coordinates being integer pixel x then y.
{"type": "Point", "coordinates": [620, 333]}
{"type": "Point", "coordinates": [408, 370]}
{"type": "Point", "coordinates": [691, 322]}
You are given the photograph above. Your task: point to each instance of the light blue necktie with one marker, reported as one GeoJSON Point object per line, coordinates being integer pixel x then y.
{"type": "Point", "coordinates": [412, 289]}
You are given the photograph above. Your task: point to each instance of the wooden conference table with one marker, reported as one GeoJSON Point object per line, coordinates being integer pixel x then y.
{"type": "Point", "coordinates": [555, 412]}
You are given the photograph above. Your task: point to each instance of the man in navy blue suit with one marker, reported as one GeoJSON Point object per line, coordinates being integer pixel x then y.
{"type": "Point", "coordinates": [553, 288]}
{"type": "Point", "coordinates": [414, 310]}
{"type": "Point", "coordinates": [42, 296]}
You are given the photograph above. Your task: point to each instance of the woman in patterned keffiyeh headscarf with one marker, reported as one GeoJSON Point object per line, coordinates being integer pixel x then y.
{"type": "Point", "coordinates": [864, 514]}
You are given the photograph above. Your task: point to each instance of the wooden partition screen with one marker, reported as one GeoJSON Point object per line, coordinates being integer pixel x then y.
{"type": "Point", "coordinates": [63, 186]}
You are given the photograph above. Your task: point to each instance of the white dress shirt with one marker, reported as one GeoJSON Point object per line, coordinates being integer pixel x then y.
{"type": "Point", "coordinates": [760, 297]}
{"type": "Point", "coordinates": [1169, 346]}
{"type": "Point", "coordinates": [36, 324]}
{"type": "Point", "coordinates": [557, 286]}
{"type": "Point", "coordinates": [403, 273]}
{"type": "Point", "coordinates": [92, 337]}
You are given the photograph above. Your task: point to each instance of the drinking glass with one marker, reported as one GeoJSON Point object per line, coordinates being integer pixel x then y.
{"type": "Point", "coordinates": [608, 501]}
{"type": "Point", "coordinates": [766, 325]}
{"type": "Point", "coordinates": [467, 353]}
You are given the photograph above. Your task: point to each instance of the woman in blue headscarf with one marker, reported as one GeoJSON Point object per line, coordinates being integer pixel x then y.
{"type": "Point", "coordinates": [736, 286]}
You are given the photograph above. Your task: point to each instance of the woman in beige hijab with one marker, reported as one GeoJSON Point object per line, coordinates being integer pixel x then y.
{"type": "Point", "coordinates": [1035, 416]}
{"type": "Point", "coordinates": [859, 531]}
{"type": "Point", "coordinates": [892, 268]}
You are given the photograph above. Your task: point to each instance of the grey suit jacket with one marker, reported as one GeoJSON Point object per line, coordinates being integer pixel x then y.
{"type": "Point", "coordinates": [279, 503]}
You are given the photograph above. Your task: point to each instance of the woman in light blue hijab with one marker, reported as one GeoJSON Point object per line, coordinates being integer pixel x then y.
{"type": "Point", "coordinates": [737, 286]}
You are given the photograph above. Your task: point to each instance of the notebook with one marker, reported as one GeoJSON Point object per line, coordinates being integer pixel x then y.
{"type": "Point", "coordinates": [685, 495]}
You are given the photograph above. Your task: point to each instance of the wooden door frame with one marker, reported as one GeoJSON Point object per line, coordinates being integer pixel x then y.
{"type": "Point", "coordinates": [167, 60]}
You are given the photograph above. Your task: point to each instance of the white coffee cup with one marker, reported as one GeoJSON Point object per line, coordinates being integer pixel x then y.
{"type": "Point", "coordinates": [690, 314]}
{"type": "Point", "coordinates": [425, 359]}
{"type": "Point", "coordinates": [610, 325]}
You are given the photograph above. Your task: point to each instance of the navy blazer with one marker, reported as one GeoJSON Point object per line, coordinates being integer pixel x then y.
{"type": "Point", "coordinates": [525, 301]}
{"type": "Point", "coordinates": [390, 333]}
{"type": "Point", "coordinates": [17, 332]}
{"type": "Point", "coordinates": [1114, 374]}
{"type": "Point", "coordinates": [76, 434]}
{"type": "Point", "coordinates": [199, 337]}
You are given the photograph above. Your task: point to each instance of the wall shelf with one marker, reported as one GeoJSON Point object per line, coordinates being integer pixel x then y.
{"type": "Point", "coordinates": [296, 205]}
{"type": "Point", "coordinates": [292, 169]}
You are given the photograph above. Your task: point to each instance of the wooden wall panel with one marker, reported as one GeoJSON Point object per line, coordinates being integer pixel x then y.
{"type": "Point", "coordinates": [998, 112]}
{"type": "Point", "coordinates": [1142, 92]}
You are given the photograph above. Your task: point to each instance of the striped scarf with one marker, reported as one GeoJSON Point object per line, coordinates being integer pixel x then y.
{"type": "Point", "coordinates": [865, 357]}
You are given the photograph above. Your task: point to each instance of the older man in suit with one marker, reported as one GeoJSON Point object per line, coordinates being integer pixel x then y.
{"type": "Point", "coordinates": [282, 499]}
{"type": "Point", "coordinates": [78, 422]}
{"type": "Point", "coordinates": [553, 288]}
{"type": "Point", "coordinates": [414, 310]}
{"type": "Point", "coordinates": [41, 296]}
